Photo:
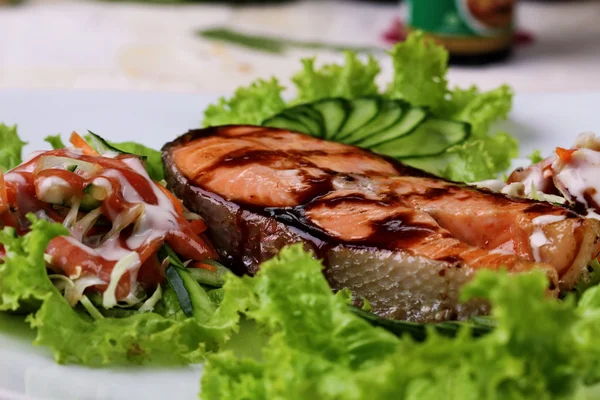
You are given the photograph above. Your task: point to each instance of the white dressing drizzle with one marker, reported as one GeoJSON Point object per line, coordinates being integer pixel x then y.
{"type": "Point", "coordinates": [581, 177]}
{"type": "Point", "coordinates": [494, 185]}
{"type": "Point", "coordinates": [112, 250]}
{"type": "Point", "coordinates": [15, 177]}
{"type": "Point", "coordinates": [83, 247]}
{"type": "Point", "coordinates": [538, 238]}
{"type": "Point", "coordinates": [535, 179]}
{"type": "Point", "coordinates": [31, 156]}
{"type": "Point", "coordinates": [156, 219]}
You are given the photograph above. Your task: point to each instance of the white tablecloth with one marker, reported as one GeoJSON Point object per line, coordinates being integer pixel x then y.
{"type": "Point", "coordinates": [70, 44]}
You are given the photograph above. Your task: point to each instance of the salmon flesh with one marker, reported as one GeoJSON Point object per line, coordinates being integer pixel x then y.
{"type": "Point", "coordinates": [403, 239]}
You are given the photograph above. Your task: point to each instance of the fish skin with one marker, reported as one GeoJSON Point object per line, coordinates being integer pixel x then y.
{"type": "Point", "coordinates": [413, 276]}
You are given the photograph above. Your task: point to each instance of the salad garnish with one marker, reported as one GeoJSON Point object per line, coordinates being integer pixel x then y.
{"type": "Point", "coordinates": [117, 216]}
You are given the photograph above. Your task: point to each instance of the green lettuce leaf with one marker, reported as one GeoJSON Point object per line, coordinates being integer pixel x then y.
{"type": "Point", "coordinates": [153, 163]}
{"type": "Point", "coordinates": [468, 162]}
{"type": "Point", "coordinates": [249, 105]}
{"type": "Point", "coordinates": [587, 332]}
{"type": "Point", "coordinates": [74, 337]}
{"type": "Point", "coordinates": [293, 303]}
{"type": "Point", "coordinates": [23, 277]}
{"type": "Point", "coordinates": [535, 157]}
{"type": "Point", "coordinates": [327, 315]}
{"type": "Point", "coordinates": [475, 160]}
{"type": "Point", "coordinates": [502, 148]}
{"type": "Point", "coordinates": [12, 147]}
{"type": "Point", "coordinates": [420, 68]}
{"type": "Point", "coordinates": [480, 159]}
{"type": "Point", "coordinates": [318, 349]}
{"type": "Point", "coordinates": [457, 100]}
{"type": "Point", "coordinates": [480, 109]}
{"type": "Point", "coordinates": [55, 141]}
{"type": "Point", "coordinates": [349, 80]}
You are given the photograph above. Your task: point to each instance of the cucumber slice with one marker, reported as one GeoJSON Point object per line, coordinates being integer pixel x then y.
{"type": "Point", "coordinates": [432, 137]}
{"type": "Point", "coordinates": [363, 110]}
{"type": "Point", "coordinates": [309, 117]}
{"type": "Point", "coordinates": [334, 113]}
{"type": "Point", "coordinates": [404, 126]}
{"type": "Point", "coordinates": [193, 299]}
{"type": "Point", "coordinates": [102, 146]}
{"type": "Point", "coordinates": [435, 165]}
{"type": "Point", "coordinates": [391, 113]}
{"type": "Point", "coordinates": [284, 122]}
{"type": "Point", "coordinates": [205, 277]}
{"type": "Point", "coordinates": [88, 203]}
{"type": "Point", "coordinates": [70, 164]}
{"type": "Point", "coordinates": [93, 196]}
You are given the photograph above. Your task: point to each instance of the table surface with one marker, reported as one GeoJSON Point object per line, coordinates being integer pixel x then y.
{"type": "Point", "coordinates": [68, 44]}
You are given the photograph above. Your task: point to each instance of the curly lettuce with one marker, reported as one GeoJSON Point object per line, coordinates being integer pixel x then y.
{"type": "Point", "coordinates": [535, 157]}
{"type": "Point", "coordinates": [317, 348]}
{"type": "Point", "coordinates": [480, 109]}
{"type": "Point", "coordinates": [249, 105]}
{"type": "Point", "coordinates": [475, 160]}
{"type": "Point", "coordinates": [12, 146]}
{"type": "Point", "coordinates": [55, 141]}
{"type": "Point", "coordinates": [349, 80]}
{"type": "Point", "coordinates": [420, 68]}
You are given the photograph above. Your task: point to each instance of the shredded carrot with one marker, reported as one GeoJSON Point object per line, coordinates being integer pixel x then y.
{"type": "Point", "coordinates": [80, 143]}
{"type": "Point", "coordinates": [3, 196]}
{"type": "Point", "coordinates": [564, 154]}
{"type": "Point", "coordinates": [176, 202]}
{"type": "Point", "coordinates": [198, 226]}
{"type": "Point", "coordinates": [199, 264]}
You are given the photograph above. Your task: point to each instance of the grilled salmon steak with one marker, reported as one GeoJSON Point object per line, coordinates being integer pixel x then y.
{"type": "Point", "coordinates": [401, 238]}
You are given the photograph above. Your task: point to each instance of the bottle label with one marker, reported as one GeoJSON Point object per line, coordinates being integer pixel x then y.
{"type": "Point", "coordinates": [474, 18]}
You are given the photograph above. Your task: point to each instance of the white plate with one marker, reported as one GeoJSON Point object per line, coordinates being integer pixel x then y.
{"type": "Point", "coordinates": [541, 121]}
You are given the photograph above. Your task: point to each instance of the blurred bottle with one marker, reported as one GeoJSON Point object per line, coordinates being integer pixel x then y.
{"type": "Point", "coordinates": [250, 2]}
{"type": "Point", "coordinates": [473, 31]}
